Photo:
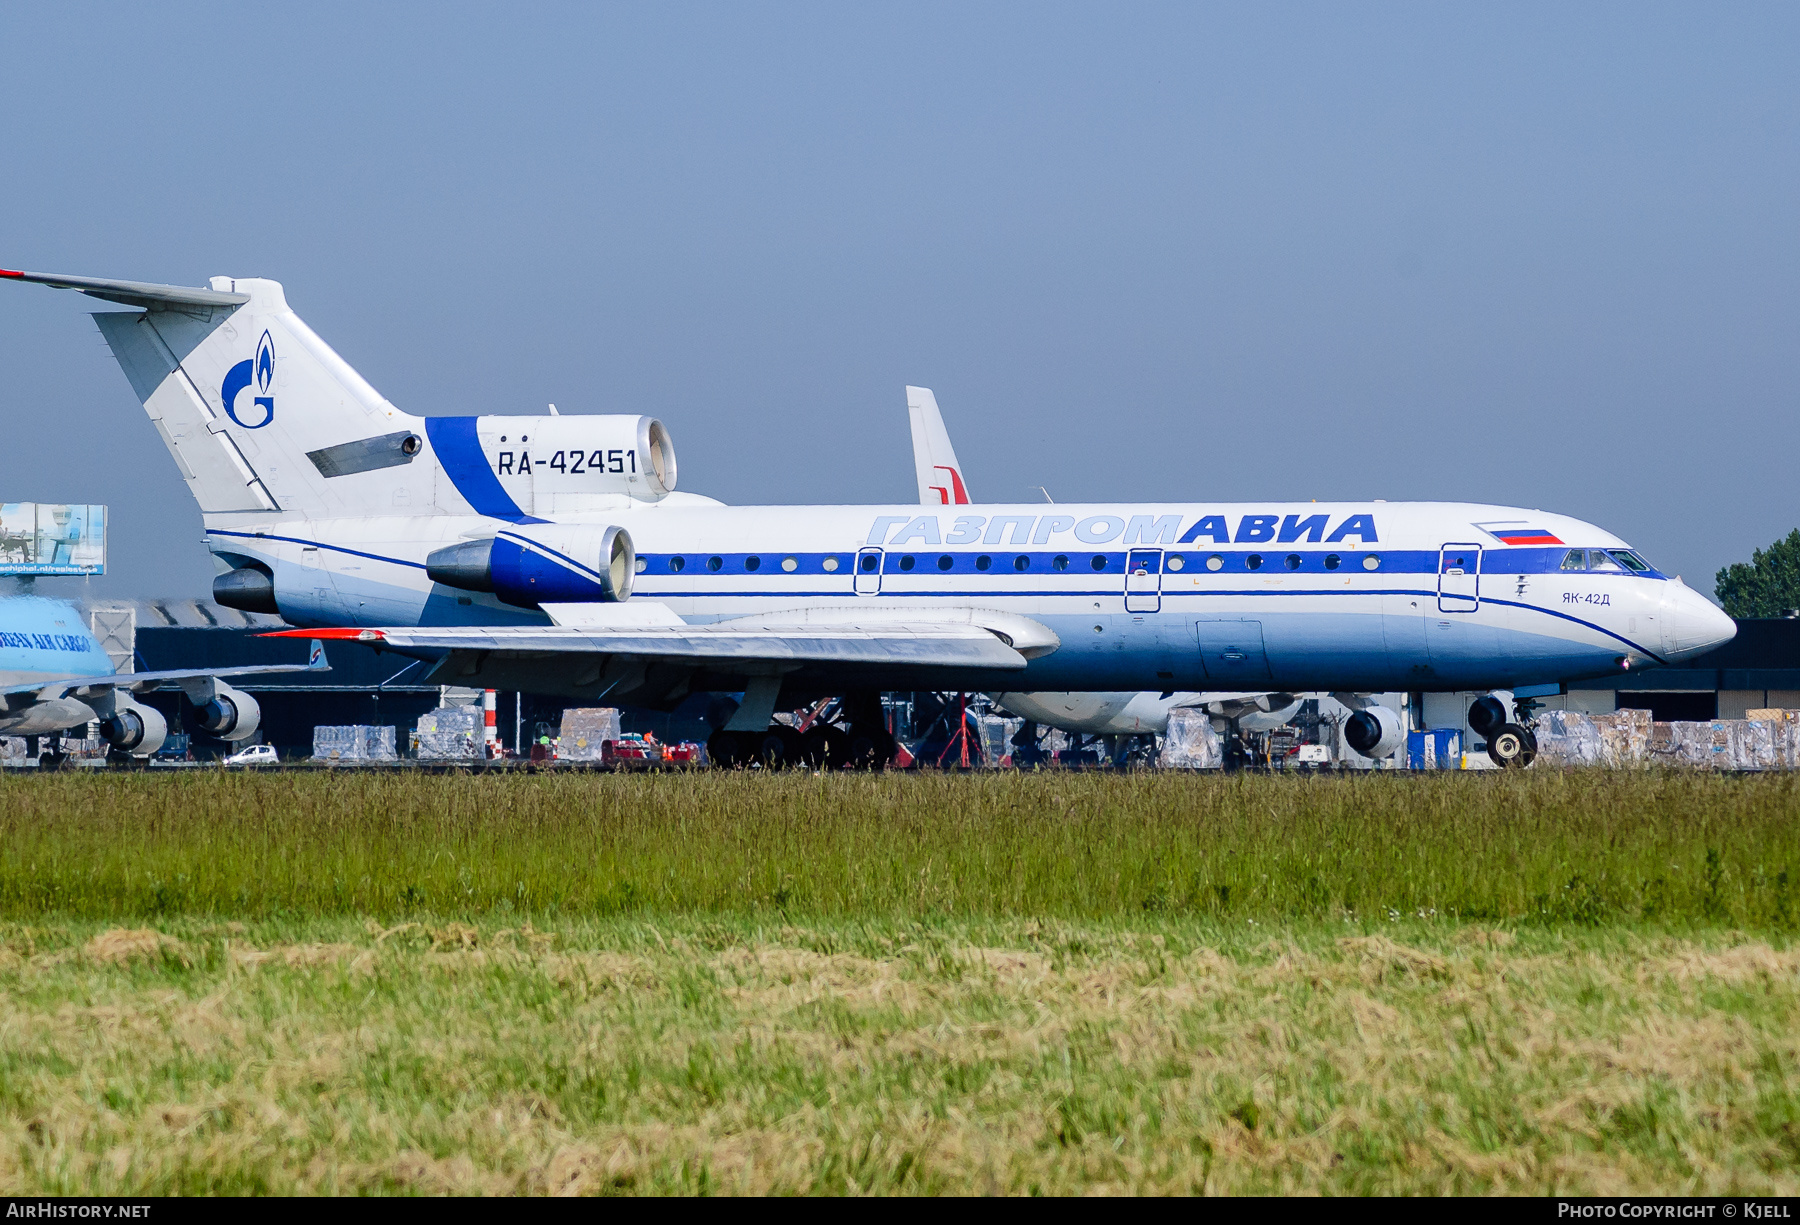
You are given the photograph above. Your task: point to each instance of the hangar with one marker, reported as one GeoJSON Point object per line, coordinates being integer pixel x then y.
{"type": "Point", "coordinates": [1759, 668]}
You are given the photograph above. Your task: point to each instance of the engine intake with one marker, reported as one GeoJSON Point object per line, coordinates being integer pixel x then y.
{"type": "Point", "coordinates": [230, 714]}
{"type": "Point", "coordinates": [138, 730]}
{"type": "Point", "coordinates": [1374, 732]}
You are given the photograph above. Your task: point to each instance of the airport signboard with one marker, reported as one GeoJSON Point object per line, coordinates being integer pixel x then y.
{"type": "Point", "coordinates": [52, 538]}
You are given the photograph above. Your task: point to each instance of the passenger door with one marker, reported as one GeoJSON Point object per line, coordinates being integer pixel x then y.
{"type": "Point", "coordinates": [1459, 578]}
{"type": "Point", "coordinates": [868, 571]}
{"type": "Point", "coordinates": [1143, 580]}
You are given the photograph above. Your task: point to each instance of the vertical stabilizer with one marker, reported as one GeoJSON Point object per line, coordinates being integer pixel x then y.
{"type": "Point", "coordinates": [934, 459]}
{"type": "Point", "coordinates": [262, 415]}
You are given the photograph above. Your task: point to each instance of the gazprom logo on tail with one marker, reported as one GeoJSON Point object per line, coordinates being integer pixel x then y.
{"type": "Point", "coordinates": [259, 370]}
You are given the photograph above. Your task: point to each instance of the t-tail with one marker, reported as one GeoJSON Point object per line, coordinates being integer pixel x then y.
{"type": "Point", "coordinates": [263, 417]}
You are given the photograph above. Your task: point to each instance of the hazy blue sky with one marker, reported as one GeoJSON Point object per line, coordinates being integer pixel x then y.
{"type": "Point", "coordinates": [1536, 254]}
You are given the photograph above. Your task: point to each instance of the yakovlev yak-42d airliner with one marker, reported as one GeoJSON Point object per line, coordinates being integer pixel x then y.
{"type": "Point", "coordinates": [1120, 717]}
{"type": "Point", "coordinates": [552, 554]}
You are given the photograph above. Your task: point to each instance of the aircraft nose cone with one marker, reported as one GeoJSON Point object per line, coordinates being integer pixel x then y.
{"type": "Point", "coordinates": [1692, 623]}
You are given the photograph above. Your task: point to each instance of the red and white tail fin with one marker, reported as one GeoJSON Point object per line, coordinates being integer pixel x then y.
{"type": "Point", "coordinates": [940, 476]}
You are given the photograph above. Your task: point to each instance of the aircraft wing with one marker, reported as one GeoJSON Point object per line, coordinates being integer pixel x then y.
{"type": "Point", "coordinates": [922, 643]}
{"type": "Point", "coordinates": [131, 293]}
{"type": "Point", "coordinates": [648, 632]}
{"type": "Point", "coordinates": [154, 680]}
{"type": "Point", "coordinates": [640, 651]}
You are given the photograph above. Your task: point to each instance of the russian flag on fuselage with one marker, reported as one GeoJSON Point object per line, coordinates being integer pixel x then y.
{"type": "Point", "coordinates": [1520, 535]}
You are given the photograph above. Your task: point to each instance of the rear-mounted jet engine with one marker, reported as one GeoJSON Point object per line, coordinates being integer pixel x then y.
{"type": "Point", "coordinates": [542, 564]}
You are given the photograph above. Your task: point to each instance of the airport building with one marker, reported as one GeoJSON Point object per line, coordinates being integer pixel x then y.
{"type": "Point", "coordinates": [1759, 668]}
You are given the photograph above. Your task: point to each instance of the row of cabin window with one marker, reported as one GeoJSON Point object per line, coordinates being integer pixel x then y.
{"type": "Point", "coordinates": [907, 562]}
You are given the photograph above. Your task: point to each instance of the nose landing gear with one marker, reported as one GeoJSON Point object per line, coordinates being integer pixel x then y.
{"type": "Point", "coordinates": [1512, 747]}
{"type": "Point", "coordinates": [1510, 744]}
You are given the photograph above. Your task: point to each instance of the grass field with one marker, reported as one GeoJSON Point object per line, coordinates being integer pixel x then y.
{"type": "Point", "coordinates": [1548, 982]}
{"type": "Point", "coordinates": [1582, 847]}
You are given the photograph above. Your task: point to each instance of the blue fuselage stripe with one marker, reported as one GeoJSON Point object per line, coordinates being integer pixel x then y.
{"type": "Point", "coordinates": [1495, 563]}
{"type": "Point", "coordinates": [1599, 629]}
{"type": "Point", "coordinates": [656, 567]}
{"type": "Point", "coordinates": [458, 449]}
{"type": "Point", "coordinates": [318, 544]}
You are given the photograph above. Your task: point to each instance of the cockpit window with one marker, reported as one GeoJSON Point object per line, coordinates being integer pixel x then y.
{"type": "Point", "coordinates": [1611, 560]}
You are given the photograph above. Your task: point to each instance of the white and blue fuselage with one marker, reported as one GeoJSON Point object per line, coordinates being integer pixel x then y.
{"type": "Point", "coordinates": [1377, 596]}
{"type": "Point", "coordinates": [328, 503]}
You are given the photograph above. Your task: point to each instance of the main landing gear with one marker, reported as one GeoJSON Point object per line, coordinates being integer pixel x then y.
{"type": "Point", "coordinates": [860, 740]}
{"type": "Point", "coordinates": [1510, 744]}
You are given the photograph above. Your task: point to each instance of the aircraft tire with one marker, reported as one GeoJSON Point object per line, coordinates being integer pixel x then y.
{"type": "Point", "coordinates": [778, 747]}
{"type": "Point", "coordinates": [727, 749]}
{"type": "Point", "coordinates": [825, 746]}
{"type": "Point", "coordinates": [872, 750]}
{"type": "Point", "coordinates": [1486, 715]}
{"type": "Point", "coordinates": [1512, 747]}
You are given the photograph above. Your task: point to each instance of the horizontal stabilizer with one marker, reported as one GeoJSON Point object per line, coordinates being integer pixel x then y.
{"type": "Point", "coordinates": [131, 293]}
